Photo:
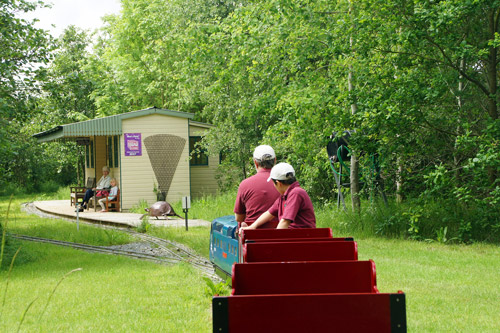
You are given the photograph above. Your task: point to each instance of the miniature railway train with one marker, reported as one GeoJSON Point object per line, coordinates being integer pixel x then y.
{"type": "Point", "coordinates": [298, 280]}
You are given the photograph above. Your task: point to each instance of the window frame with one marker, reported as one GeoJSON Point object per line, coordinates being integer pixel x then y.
{"type": "Point", "coordinates": [198, 156]}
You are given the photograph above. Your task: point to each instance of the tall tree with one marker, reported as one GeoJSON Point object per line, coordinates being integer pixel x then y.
{"type": "Point", "coordinates": [68, 85]}
{"type": "Point", "coordinates": [22, 47]}
{"type": "Point", "coordinates": [150, 54]}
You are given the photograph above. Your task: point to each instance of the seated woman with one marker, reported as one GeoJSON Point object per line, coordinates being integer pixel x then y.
{"type": "Point", "coordinates": [102, 184]}
{"type": "Point", "coordinates": [112, 194]}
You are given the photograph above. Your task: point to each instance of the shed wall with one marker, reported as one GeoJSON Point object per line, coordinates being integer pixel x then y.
{"type": "Point", "coordinates": [137, 175]}
{"type": "Point", "coordinates": [203, 180]}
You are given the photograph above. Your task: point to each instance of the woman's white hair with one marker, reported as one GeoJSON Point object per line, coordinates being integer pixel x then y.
{"type": "Point", "coordinates": [105, 168]}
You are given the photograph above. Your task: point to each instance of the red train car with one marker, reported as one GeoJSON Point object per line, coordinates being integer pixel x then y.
{"type": "Point", "coordinates": [304, 280]}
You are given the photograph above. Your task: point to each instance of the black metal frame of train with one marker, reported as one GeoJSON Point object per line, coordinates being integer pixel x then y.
{"type": "Point", "coordinates": [298, 280]}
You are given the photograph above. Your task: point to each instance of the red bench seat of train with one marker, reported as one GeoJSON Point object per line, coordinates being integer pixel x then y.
{"type": "Point", "coordinates": [284, 233]}
{"type": "Point", "coordinates": [308, 277]}
{"type": "Point", "coordinates": [310, 313]}
{"type": "Point", "coordinates": [307, 239]}
{"type": "Point", "coordinates": [300, 251]}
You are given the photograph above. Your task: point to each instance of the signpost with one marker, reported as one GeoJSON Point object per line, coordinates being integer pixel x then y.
{"type": "Point", "coordinates": [186, 204]}
{"type": "Point", "coordinates": [78, 206]}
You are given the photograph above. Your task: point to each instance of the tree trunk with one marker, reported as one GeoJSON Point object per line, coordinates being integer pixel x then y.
{"type": "Point", "coordinates": [354, 176]}
{"type": "Point", "coordinates": [399, 182]}
{"type": "Point", "coordinates": [460, 104]}
{"type": "Point", "coordinates": [356, 201]}
{"type": "Point", "coordinates": [493, 80]}
{"type": "Point", "coordinates": [492, 67]}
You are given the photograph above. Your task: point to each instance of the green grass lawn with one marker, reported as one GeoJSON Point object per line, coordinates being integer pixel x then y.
{"type": "Point", "coordinates": [33, 225]}
{"type": "Point", "coordinates": [109, 294]}
{"type": "Point", "coordinates": [449, 288]}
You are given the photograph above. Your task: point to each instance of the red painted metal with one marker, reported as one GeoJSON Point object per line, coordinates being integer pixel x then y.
{"type": "Point", "coordinates": [304, 280]}
{"type": "Point", "coordinates": [313, 239]}
{"type": "Point", "coordinates": [304, 277]}
{"type": "Point", "coordinates": [300, 251]}
{"type": "Point", "coordinates": [285, 233]}
{"type": "Point", "coordinates": [313, 313]}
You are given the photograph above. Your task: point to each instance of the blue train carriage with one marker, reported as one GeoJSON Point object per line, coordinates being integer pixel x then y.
{"type": "Point", "coordinates": [224, 245]}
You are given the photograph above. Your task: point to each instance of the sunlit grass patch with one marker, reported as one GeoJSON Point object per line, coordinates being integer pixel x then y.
{"type": "Point", "coordinates": [110, 293]}
{"type": "Point", "coordinates": [448, 287]}
{"type": "Point", "coordinates": [197, 238]}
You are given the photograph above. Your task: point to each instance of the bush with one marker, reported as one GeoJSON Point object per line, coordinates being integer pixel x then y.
{"type": "Point", "coordinates": [440, 220]}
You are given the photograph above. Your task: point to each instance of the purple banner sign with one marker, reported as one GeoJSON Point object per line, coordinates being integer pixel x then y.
{"type": "Point", "coordinates": [133, 146]}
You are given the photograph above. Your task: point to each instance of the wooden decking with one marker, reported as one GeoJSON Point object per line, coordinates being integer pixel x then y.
{"type": "Point", "coordinates": [64, 209]}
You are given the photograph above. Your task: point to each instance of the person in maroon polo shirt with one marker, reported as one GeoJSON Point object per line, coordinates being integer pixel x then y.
{"type": "Point", "coordinates": [256, 194]}
{"type": "Point", "coordinates": [293, 208]}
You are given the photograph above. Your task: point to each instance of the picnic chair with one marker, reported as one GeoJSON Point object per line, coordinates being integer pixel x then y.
{"type": "Point", "coordinates": [115, 202]}
{"type": "Point", "coordinates": [78, 192]}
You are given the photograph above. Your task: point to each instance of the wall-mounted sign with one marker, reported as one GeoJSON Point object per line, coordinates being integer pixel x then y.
{"type": "Point", "coordinates": [82, 141]}
{"type": "Point", "coordinates": [133, 145]}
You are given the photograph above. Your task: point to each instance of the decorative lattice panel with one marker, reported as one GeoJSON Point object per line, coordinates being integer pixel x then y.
{"type": "Point", "coordinates": [164, 151]}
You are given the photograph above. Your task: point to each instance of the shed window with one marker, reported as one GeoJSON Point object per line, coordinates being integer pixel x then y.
{"type": "Point", "coordinates": [89, 154]}
{"type": "Point", "coordinates": [198, 155]}
{"type": "Point", "coordinates": [113, 151]}
{"type": "Point", "coordinates": [110, 151]}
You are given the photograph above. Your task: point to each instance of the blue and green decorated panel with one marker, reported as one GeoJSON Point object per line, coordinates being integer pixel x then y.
{"type": "Point", "coordinates": [224, 243]}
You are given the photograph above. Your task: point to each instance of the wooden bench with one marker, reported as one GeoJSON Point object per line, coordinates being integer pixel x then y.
{"type": "Point", "coordinates": [310, 313]}
{"type": "Point", "coordinates": [309, 277]}
{"type": "Point", "coordinates": [115, 202]}
{"type": "Point", "coordinates": [78, 192]}
{"type": "Point", "coordinates": [300, 251]}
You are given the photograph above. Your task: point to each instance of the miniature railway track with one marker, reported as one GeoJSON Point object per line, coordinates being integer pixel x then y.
{"type": "Point", "coordinates": [177, 251]}
{"type": "Point", "coordinates": [172, 252]}
{"type": "Point", "coordinates": [97, 249]}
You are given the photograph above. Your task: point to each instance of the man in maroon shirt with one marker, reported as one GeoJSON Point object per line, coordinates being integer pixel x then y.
{"type": "Point", "coordinates": [256, 194]}
{"type": "Point", "coordinates": [293, 208]}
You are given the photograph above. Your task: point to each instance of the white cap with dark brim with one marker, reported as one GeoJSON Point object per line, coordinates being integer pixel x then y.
{"type": "Point", "coordinates": [282, 171]}
{"type": "Point", "coordinates": [264, 153]}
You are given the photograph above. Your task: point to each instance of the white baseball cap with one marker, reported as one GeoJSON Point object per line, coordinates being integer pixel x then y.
{"type": "Point", "coordinates": [281, 171]}
{"type": "Point", "coordinates": [264, 153]}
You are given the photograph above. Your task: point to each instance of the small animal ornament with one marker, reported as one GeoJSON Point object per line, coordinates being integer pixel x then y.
{"type": "Point", "coordinates": [161, 208]}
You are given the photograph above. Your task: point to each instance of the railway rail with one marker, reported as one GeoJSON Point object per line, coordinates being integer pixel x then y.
{"type": "Point", "coordinates": [171, 252]}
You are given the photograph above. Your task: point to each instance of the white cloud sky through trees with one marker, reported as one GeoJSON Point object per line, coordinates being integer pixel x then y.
{"type": "Point", "coordinates": [85, 14]}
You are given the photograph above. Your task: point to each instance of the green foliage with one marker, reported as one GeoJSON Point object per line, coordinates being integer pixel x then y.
{"type": "Point", "coordinates": [216, 289]}
{"type": "Point", "coordinates": [22, 45]}
{"type": "Point", "coordinates": [441, 220]}
{"type": "Point", "coordinates": [144, 226]}
{"type": "Point", "coordinates": [140, 207]}
{"type": "Point", "coordinates": [32, 167]}
{"type": "Point", "coordinates": [423, 77]}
